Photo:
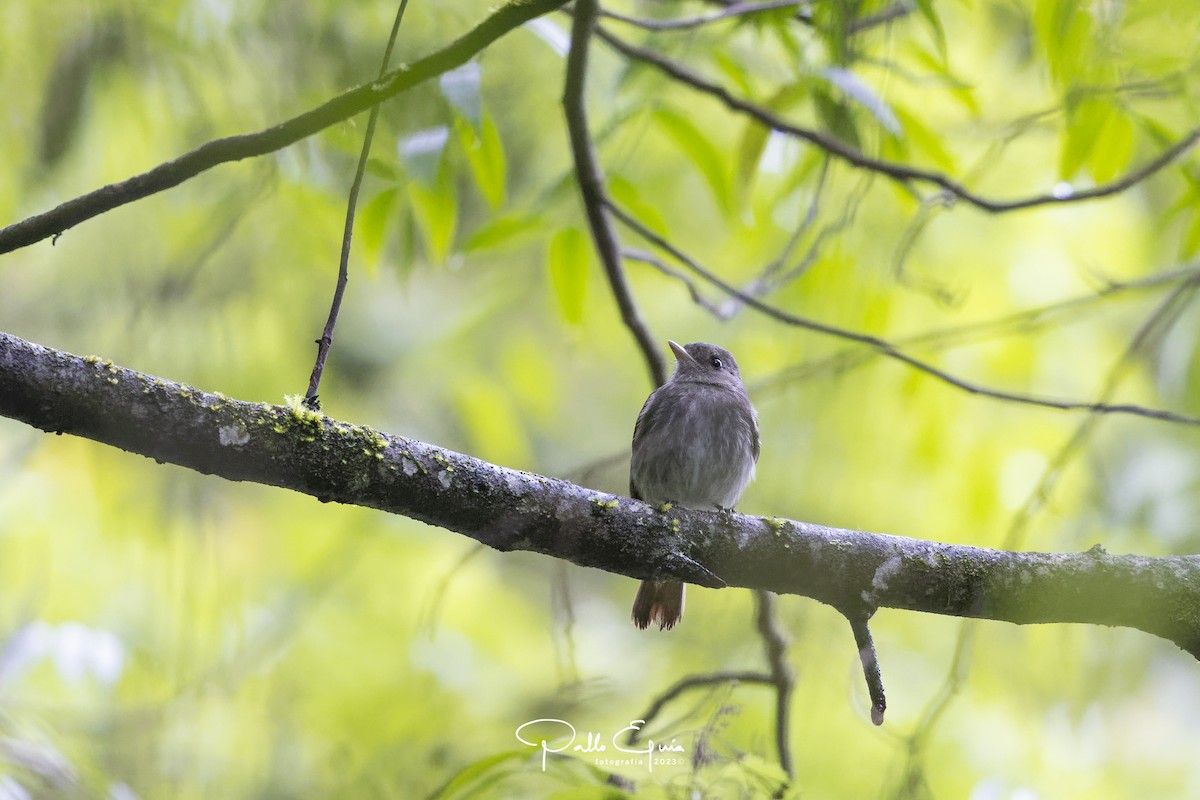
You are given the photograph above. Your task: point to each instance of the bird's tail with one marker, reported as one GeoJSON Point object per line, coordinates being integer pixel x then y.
{"type": "Point", "coordinates": [658, 601]}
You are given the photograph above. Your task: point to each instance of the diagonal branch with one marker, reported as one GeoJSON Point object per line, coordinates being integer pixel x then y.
{"type": "Point", "coordinates": [885, 348]}
{"type": "Point", "coordinates": [248, 145]}
{"type": "Point", "coordinates": [591, 187]}
{"type": "Point", "coordinates": [1024, 321]}
{"type": "Point", "coordinates": [301, 450]}
{"type": "Point", "coordinates": [898, 172]}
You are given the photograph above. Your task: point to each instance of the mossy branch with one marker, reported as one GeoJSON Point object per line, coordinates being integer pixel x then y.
{"type": "Point", "coordinates": [305, 451]}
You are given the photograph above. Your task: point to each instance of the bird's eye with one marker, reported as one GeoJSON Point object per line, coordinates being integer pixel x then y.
{"type": "Point", "coordinates": [716, 362]}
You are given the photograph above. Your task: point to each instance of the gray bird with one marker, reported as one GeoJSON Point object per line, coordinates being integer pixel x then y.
{"type": "Point", "coordinates": [695, 443]}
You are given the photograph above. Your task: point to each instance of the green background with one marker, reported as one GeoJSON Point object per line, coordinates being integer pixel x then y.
{"type": "Point", "coordinates": [166, 634]}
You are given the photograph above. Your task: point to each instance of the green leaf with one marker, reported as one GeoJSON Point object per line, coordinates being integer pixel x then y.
{"type": "Point", "coordinates": [854, 88]}
{"type": "Point", "coordinates": [488, 767]}
{"type": "Point", "coordinates": [755, 136]}
{"type": "Point", "coordinates": [435, 209]}
{"type": "Point", "coordinates": [373, 224]}
{"type": "Point", "coordinates": [589, 793]}
{"type": "Point", "coordinates": [1085, 119]}
{"type": "Point", "coordinates": [382, 169]}
{"type": "Point", "coordinates": [1113, 149]}
{"type": "Point", "coordinates": [493, 425]}
{"type": "Point", "coordinates": [836, 118]}
{"type": "Point", "coordinates": [485, 154]}
{"type": "Point", "coordinates": [628, 197]}
{"type": "Point", "coordinates": [569, 259]}
{"type": "Point", "coordinates": [700, 151]}
{"type": "Point", "coordinates": [914, 131]}
{"type": "Point", "coordinates": [1190, 244]}
{"type": "Point", "coordinates": [733, 69]}
{"type": "Point", "coordinates": [421, 152]}
{"type": "Point", "coordinates": [1065, 30]}
{"type": "Point", "coordinates": [506, 231]}
{"type": "Point", "coordinates": [926, 9]}
{"type": "Point", "coordinates": [460, 86]}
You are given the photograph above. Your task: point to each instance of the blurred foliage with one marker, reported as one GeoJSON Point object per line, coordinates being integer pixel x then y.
{"type": "Point", "coordinates": [169, 634]}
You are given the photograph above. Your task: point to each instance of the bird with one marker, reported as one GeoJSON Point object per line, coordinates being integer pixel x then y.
{"type": "Point", "coordinates": [695, 443]}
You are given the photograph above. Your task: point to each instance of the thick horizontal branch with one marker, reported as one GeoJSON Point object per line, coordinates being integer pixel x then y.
{"type": "Point", "coordinates": [507, 509]}
{"type": "Point", "coordinates": [235, 148]}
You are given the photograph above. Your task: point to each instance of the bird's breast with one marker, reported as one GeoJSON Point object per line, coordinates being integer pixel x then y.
{"type": "Point", "coordinates": [701, 454]}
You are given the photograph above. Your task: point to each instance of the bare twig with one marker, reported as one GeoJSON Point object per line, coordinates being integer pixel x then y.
{"type": "Point", "coordinates": [890, 14]}
{"type": "Point", "coordinates": [682, 23]}
{"type": "Point", "coordinates": [326, 340]}
{"type": "Point", "coordinates": [770, 279]}
{"type": "Point", "coordinates": [694, 682]}
{"type": "Point", "coordinates": [783, 679]}
{"type": "Point", "coordinates": [646, 257]}
{"type": "Point", "coordinates": [898, 172]}
{"type": "Point", "coordinates": [958, 335]}
{"type": "Point", "coordinates": [235, 148]}
{"type": "Point", "coordinates": [802, 15]}
{"type": "Point", "coordinates": [591, 183]}
{"type": "Point", "coordinates": [427, 619]}
{"type": "Point", "coordinates": [1033, 317]}
{"type": "Point", "coordinates": [886, 348]}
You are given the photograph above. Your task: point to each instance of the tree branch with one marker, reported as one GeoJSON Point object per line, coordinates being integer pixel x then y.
{"type": "Point", "coordinates": [897, 172]}
{"type": "Point", "coordinates": [591, 187]}
{"type": "Point", "coordinates": [235, 148]}
{"type": "Point", "coordinates": [298, 449]}
{"type": "Point", "coordinates": [885, 348]}
{"type": "Point", "coordinates": [1028, 320]}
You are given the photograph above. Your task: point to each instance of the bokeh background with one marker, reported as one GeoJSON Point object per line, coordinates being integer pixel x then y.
{"type": "Point", "coordinates": [167, 634]}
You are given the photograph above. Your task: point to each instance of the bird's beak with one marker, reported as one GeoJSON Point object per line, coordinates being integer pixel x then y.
{"type": "Point", "coordinates": [681, 355]}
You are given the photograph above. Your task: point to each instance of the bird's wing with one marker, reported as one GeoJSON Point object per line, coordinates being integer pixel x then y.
{"type": "Point", "coordinates": [646, 422]}
{"type": "Point", "coordinates": [754, 432]}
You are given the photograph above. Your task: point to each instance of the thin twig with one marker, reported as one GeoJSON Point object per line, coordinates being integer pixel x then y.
{"type": "Point", "coordinates": [802, 15]}
{"type": "Point", "coordinates": [683, 23]}
{"type": "Point", "coordinates": [326, 340]}
{"type": "Point", "coordinates": [783, 678]}
{"type": "Point", "coordinates": [770, 281]}
{"type": "Point", "coordinates": [890, 14]}
{"type": "Point", "coordinates": [886, 348]}
{"type": "Point", "coordinates": [646, 257]}
{"type": "Point", "coordinates": [695, 682]}
{"type": "Point", "coordinates": [591, 183]}
{"type": "Point", "coordinates": [1027, 319]}
{"type": "Point", "coordinates": [959, 335]}
{"type": "Point", "coordinates": [898, 172]}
